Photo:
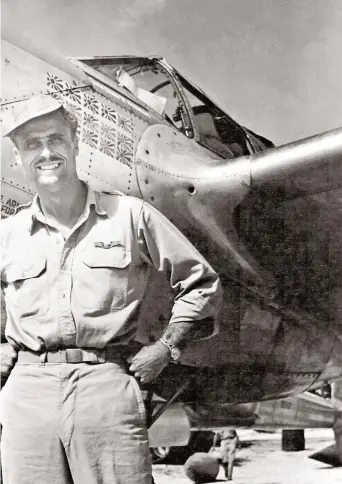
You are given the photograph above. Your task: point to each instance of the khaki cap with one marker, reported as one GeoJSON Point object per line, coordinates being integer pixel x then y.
{"type": "Point", "coordinates": [24, 111]}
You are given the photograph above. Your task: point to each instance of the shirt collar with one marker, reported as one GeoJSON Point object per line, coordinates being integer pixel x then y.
{"type": "Point", "coordinates": [95, 200]}
{"type": "Point", "coordinates": [36, 214]}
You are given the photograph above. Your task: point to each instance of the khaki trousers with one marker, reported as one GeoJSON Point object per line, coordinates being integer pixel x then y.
{"type": "Point", "coordinates": [78, 423]}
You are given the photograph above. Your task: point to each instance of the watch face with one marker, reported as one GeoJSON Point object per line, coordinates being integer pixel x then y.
{"type": "Point", "coordinates": [175, 353]}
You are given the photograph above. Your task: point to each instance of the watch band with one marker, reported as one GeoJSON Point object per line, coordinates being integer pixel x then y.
{"type": "Point", "coordinates": [174, 351]}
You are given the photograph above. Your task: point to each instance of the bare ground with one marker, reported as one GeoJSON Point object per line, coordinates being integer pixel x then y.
{"type": "Point", "coordinates": [261, 461]}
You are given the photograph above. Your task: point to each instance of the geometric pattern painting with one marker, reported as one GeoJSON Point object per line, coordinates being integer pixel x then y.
{"type": "Point", "coordinates": [100, 126]}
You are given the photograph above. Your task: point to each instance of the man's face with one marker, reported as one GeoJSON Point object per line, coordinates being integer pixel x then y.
{"type": "Point", "coordinates": [46, 149]}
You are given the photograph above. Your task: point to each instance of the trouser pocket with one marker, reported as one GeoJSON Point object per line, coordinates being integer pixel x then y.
{"type": "Point", "coordinates": [139, 397]}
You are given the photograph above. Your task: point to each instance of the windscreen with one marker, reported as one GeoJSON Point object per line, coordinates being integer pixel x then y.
{"type": "Point", "coordinates": [142, 77]}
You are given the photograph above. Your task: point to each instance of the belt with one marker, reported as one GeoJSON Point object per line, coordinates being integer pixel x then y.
{"type": "Point", "coordinates": [94, 356]}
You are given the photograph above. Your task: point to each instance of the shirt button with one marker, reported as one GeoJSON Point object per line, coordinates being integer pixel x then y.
{"type": "Point", "coordinates": [63, 296]}
{"type": "Point", "coordinates": [58, 241]}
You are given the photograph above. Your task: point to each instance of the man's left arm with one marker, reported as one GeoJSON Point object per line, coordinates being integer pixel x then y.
{"type": "Point", "coordinates": [196, 284]}
{"type": "Point", "coordinates": [151, 360]}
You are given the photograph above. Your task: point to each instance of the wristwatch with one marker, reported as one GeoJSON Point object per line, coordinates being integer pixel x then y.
{"type": "Point", "coordinates": [174, 351]}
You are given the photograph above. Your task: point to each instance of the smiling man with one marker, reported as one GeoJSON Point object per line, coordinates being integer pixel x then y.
{"type": "Point", "coordinates": [46, 149]}
{"type": "Point", "coordinates": [75, 265]}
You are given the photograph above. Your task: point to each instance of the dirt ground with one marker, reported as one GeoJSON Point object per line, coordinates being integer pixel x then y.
{"type": "Point", "coordinates": [261, 461]}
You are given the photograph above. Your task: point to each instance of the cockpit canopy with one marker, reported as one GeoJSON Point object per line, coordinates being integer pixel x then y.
{"type": "Point", "coordinates": [162, 89]}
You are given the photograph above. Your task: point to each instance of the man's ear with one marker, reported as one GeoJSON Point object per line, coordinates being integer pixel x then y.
{"type": "Point", "coordinates": [77, 148]}
{"type": "Point", "coordinates": [17, 156]}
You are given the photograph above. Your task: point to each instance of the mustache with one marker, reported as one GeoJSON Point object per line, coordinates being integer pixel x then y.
{"type": "Point", "coordinates": [43, 159]}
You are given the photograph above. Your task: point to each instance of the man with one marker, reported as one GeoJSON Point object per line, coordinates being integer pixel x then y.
{"type": "Point", "coordinates": [75, 265]}
{"type": "Point", "coordinates": [229, 441]}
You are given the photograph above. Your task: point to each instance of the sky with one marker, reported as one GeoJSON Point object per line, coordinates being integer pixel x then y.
{"type": "Point", "coordinates": [273, 65]}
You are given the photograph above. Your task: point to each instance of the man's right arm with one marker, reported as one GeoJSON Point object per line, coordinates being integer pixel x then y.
{"type": "Point", "coordinates": [8, 358]}
{"type": "Point", "coordinates": [8, 354]}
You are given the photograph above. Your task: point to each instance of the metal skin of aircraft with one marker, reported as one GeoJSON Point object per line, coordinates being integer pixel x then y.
{"type": "Point", "coordinates": [304, 411]}
{"type": "Point", "coordinates": [267, 219]}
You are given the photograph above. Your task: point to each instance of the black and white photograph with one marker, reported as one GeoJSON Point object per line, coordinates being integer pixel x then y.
{"type": "Point", "coordinates": [171, 242]}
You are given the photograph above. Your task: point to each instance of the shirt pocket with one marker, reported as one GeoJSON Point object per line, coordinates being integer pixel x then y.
{"type": "Point", "coordinates": [28, 288]}
{"type": "Point", "coordinates": [104, 281]}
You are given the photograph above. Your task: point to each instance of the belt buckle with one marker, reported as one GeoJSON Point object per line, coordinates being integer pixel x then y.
{"type": "Point", "coordinates": [73, 355]}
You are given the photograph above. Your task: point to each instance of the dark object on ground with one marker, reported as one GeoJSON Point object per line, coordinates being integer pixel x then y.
{"type": "Point", "coordinates": [293, 440]}
{"type": "Point", "coordinates": [328, 455]}
{"type": "Point", "coordinates": [201, 467]}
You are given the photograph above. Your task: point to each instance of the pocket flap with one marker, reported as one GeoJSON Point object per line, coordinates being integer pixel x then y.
{"type": "Point", "coordinates": [27, 269]}
{"type": "Point", "coordinates": [116, 256]}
